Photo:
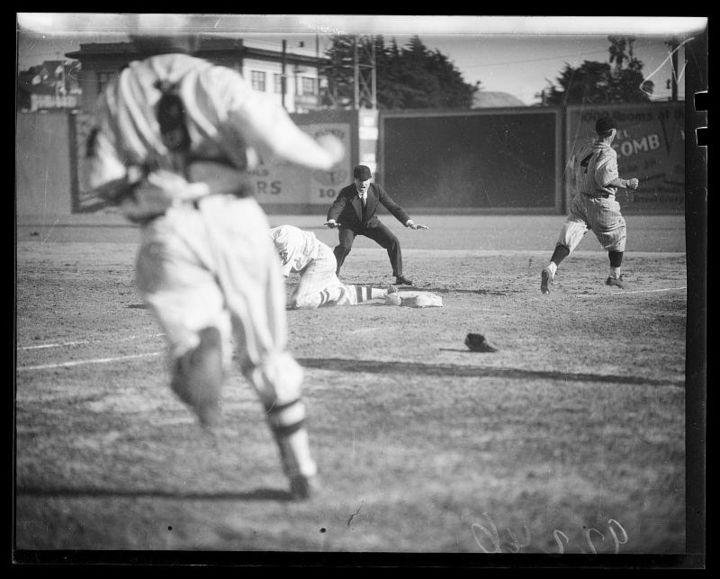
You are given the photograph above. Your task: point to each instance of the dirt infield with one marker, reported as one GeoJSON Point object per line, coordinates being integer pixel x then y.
{"type": "Point", "coordinates": [570, 438]}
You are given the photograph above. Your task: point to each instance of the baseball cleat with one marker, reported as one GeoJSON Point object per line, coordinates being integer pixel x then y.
{"type": "Point", "coordinates": [546, 278]}
{"type": "Point", "coordinates": [401, 280]}
{"type": "Point", "coordinates": [391, 289]}
{"type": "Point", "coordinates": [616, 281]}
{"type": "Point", "coordinates": [304, 487]}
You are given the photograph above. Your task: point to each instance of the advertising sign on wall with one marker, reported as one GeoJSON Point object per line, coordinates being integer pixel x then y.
{"type": "Point", "coordinates": [650, 144]}
{"type": "Point", "coordinates": [278, 181]}
{"type": "Point", "coordinates": [325, 185]}
{"type": "Point", "coordinates": [275, 181]}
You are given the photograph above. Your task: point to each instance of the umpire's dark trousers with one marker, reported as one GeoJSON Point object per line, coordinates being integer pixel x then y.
{"type": "Point", "coordinates": [380, 234]}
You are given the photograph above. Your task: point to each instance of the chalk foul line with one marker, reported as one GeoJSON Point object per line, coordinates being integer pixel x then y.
{"type": "Point", "coordinates": [64, 344]}
{"type": "Point", "coordinates": [91, 361]}
{"type": "Point", "coordinates": [625, 292]}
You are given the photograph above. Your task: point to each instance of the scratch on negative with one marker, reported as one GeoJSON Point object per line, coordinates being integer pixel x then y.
{"type": "Point", "coordinates": [354, 514]}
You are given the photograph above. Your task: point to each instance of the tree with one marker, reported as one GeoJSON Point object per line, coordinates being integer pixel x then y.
{"type": "Point", "coordinates": [339, 72]}
{"type": "Point", "coordinates": [407, 77]}
{"type": "Point", "coordinates": [600, 82]}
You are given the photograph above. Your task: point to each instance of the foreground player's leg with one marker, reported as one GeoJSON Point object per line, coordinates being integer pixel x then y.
{"type": "Point", "coordinates": [287, 423]}
{"type": "Point", "coordinates": [278, 381]}
{"type": "Point", "coordinates": [198, 377]}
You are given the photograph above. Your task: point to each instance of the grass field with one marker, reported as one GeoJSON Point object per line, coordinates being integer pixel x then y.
{"type": "Point", "coordinates": [570, 438]}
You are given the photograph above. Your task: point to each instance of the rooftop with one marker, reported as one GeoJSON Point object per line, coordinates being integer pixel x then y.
{"type": "Point", "coordinates": [206, 45]}
{"type": "Point", "coordinates": [489, 99]}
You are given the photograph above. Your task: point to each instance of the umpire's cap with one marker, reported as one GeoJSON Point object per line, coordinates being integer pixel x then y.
{"type": "Point", "coordinates": [604, 125]}
{"type": "Point", "coordinates": [362, 172]}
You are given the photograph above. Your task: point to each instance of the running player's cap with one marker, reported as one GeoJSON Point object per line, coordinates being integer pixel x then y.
{"type": "Point", "coordinates": [362, 172]}
{"type": "Point", "coordinates": [604, 125]}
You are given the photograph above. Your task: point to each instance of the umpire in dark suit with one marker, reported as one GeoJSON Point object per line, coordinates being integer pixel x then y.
{"type": "Point", "coordinates": [353, 212]}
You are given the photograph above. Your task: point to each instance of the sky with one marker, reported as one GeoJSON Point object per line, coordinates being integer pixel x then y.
{"type": "Point", "coordinates": [517, 55]}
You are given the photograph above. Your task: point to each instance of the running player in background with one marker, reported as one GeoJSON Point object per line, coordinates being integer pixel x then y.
{"type": "Point", "coordinates": [595, 180]}
{"type": "Point", "coordinates": [303, 253]}
{"type": "Point", "coordinates": [174, 139]}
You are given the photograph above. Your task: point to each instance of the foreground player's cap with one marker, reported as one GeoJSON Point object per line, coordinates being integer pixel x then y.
{"type": "Point", "coordinates": [163, 34]}
{"type": "Point", "coordinates": [362, 172]}
{"type": "Point", "coordinates": [604, 125]}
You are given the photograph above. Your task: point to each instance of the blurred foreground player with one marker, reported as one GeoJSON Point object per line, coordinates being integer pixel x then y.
{"type": "Point", "coordinates": [174, 139]}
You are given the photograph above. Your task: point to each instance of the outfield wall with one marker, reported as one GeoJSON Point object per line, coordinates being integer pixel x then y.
{"type": "Point", "coordinates": [279, 186]}
{"type": "Point", "coordinates": [505, 160]}
{"type": "Point", "coordinates": [44, 170]}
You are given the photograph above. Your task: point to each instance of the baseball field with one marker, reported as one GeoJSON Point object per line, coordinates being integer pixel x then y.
{"type": "Point", "coordinates": [571, 438]}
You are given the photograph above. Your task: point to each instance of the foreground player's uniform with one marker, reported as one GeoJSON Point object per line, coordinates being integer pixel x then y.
{"type": "Point", "coordinates": [206, 267]}
{"type": "Point", "coordinates": [303, 253]}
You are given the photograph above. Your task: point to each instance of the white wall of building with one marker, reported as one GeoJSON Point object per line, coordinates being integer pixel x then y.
{"type": "Point", "coordinates": [264, 75]}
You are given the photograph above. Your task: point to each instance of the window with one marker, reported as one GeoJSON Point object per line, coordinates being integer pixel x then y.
{"type": "Point", "coordinates": [277, 83]}
{"type": "Point", "coordinates": [309, 85]}
{"type": "Point", "coordinates": [257, 80]}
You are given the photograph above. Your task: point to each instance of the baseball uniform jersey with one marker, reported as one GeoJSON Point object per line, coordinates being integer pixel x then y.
{"type": "Point", "coordinates": [209, 262]}
{"type": "Point", "coordinates": [594, 167]}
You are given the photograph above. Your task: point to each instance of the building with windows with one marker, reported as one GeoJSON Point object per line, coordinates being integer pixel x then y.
{"type": "Point", "coordinates": [54, 84]}
{"type": "Point", "coordinates": [265, 69]}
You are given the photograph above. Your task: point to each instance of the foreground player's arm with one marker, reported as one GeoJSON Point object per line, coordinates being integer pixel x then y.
{"type": "Point", "coordinates": [269, 129]}
{"type": "Point", "coordinates": [108, 177]}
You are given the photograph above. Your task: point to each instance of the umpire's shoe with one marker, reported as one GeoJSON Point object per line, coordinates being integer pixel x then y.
{"type": "Point", "coordinates": [616, 281]}
{"type": "Point", "coordinates": [402, 280]}
{"type": "Point", "coordinates": [546, 278]}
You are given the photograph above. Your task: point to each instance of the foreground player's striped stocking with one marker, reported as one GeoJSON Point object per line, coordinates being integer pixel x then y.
{"type": "Point", "coordinates": [287, 422]}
